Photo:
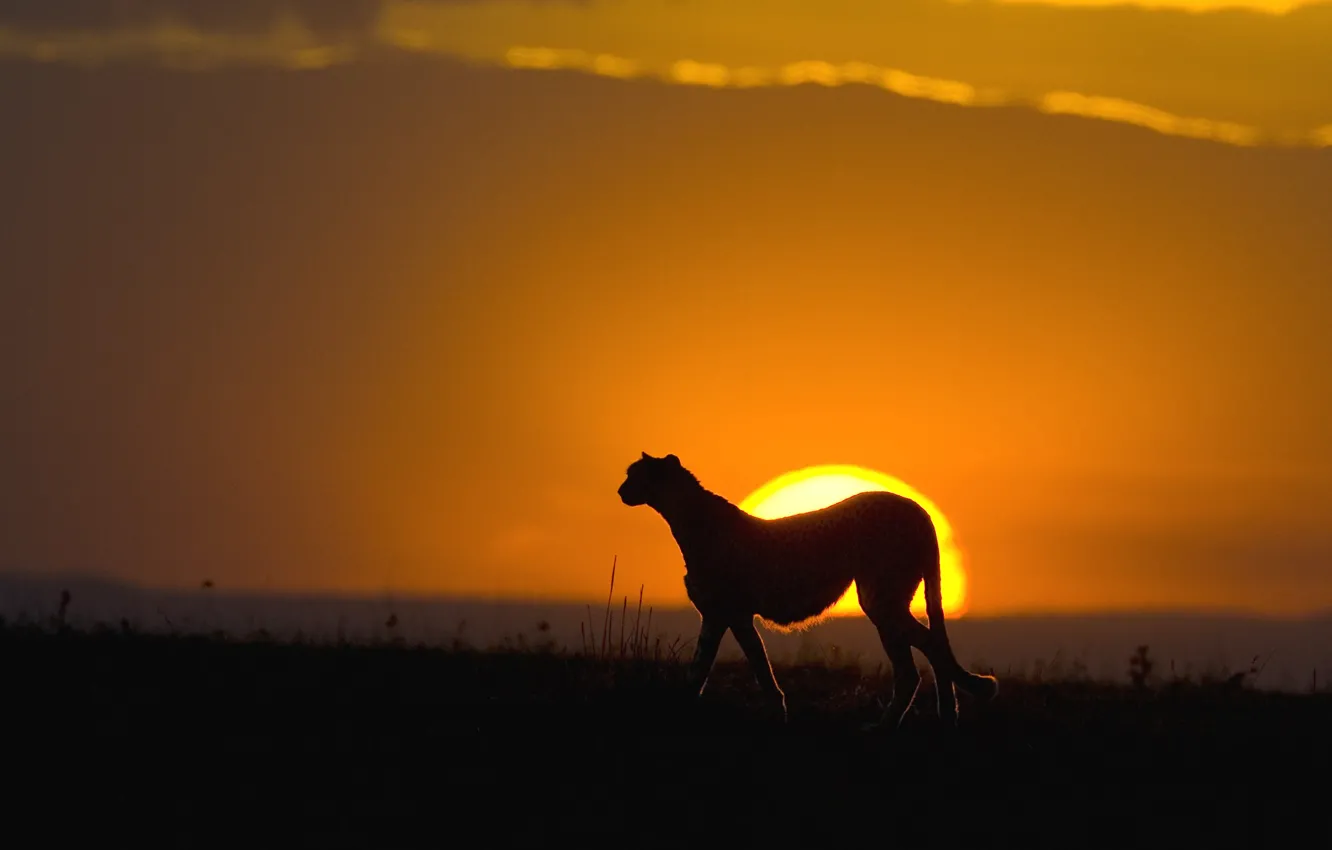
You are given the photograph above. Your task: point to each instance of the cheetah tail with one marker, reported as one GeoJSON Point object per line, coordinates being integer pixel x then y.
{"type": "Point", "coordinates": [980, 687]}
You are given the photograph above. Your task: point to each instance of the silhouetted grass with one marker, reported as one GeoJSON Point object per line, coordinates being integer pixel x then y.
{"type": "Point", "coordinates": [571, 736]}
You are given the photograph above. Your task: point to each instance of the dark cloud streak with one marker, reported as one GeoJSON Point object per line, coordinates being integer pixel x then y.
{"type": "Point", "coordinates": [329, 17]}
{"type": "Point", "coordinates": [233, 16]}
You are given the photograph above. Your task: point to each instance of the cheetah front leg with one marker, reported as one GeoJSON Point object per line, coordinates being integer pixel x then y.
{"type": "Point", "coordinates": [705, 653]}
{"type": "Point", "coordinates": [750, 641]}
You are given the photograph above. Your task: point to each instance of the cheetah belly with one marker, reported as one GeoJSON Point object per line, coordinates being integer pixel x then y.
{"type": "Point", "coordinates": [799, 583]}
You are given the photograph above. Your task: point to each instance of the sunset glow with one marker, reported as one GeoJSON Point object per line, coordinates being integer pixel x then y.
{"type": "Point", "coordinates": [453, 265]}
{"type": "Point", "coordinates": [820, 486]}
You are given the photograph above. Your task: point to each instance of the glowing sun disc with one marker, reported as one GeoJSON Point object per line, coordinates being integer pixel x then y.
{"type": "Point", "coordinates": [820, 486]}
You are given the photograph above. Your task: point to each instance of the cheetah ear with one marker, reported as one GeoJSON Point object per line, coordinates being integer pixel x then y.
{"type": "Point", "coordinates": [672, 460]}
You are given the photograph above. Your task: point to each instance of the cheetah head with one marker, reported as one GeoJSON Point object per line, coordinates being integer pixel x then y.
{"type": "Point", "coordinates": [649, 478]}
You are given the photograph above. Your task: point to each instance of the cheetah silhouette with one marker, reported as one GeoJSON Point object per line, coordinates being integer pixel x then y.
{"type": "Point", "coordinates": [789, 571]}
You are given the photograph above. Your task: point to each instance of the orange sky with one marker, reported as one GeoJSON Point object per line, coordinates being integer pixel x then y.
{"type": "Point", "coordinates": [400, 321]}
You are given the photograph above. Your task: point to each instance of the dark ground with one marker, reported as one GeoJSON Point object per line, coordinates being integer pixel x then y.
{"type": "Point", "coordinates": [180, 741]}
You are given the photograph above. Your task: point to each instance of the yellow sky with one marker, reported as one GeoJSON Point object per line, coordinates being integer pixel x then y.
{"type": "Point", "coordinates": [1276, 7]}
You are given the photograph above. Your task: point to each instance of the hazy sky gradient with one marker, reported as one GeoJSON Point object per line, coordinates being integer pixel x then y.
{"type": "Point", "coordinates": [402, 324]}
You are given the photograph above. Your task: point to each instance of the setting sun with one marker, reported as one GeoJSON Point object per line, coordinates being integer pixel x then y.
{"type": "Point", "coordinates": [820, 486]}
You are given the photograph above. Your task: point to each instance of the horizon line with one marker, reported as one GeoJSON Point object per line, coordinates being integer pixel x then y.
{"type": "Point", "coordinates": [242, 592]}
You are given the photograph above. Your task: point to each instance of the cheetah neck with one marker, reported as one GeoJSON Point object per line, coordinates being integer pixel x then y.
{"type": "Point", "coordinates": [697, 519]}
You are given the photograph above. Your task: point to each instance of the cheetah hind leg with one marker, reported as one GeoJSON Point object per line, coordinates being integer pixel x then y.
{"type": "Point", "coordinates": [906, 679]}
{"type": "Point", "coordinates": [951, 679]}
{"type": "Point", "coordinates": [942, 665]}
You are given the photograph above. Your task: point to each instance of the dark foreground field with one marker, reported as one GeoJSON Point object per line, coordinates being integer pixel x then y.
{"type": "Point", "coordinates": [179, 741]}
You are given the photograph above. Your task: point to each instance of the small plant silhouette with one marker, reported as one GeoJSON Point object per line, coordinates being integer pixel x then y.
{"type": "Point", "coordinates": [633, 641]}
{"type": "Point", "coordinates": [459, 642]}
{"type": "Point", "coordinates": [1240, 679]}
{"type": "Point", "coordinates": [1140, 667]}
{"type": "Point", "coordinates": [63, 610]}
